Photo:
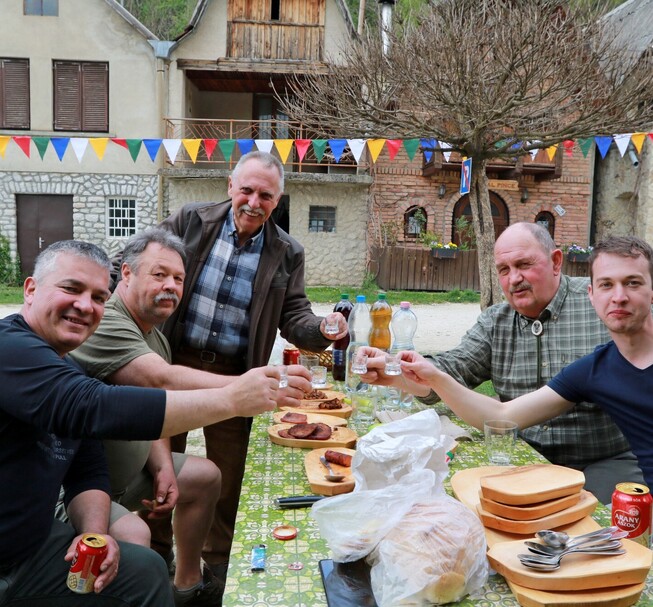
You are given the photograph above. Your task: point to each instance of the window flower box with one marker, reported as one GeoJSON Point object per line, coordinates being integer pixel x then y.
{"type": "Point", "coordinates": [578, 254]}
{"type": "Point", "coordinates": [444, 253]}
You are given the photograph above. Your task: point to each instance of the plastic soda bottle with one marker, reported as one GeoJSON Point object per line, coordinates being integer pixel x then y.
{"type": "Point", "coordinates": [359, 332]}
{"type": "Point", "coordinates": [339, 348]}
{"type": "Point", "coordinates": [404, 326]}
{"type": "Point", "coordinates": [381, 315]}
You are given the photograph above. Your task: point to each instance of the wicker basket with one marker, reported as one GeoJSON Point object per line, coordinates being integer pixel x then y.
{"type": "Point", "coordinates": [326, 357]}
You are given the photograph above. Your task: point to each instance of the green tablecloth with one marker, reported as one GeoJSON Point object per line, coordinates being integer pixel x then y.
{"type": "Point", "coordinates": [273, 471]}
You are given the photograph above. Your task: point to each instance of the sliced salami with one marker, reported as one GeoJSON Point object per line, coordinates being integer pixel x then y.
{"type": "Point", "coordinates": [294, 418]}
{"type": "Point", "coordinates": [302, 430]}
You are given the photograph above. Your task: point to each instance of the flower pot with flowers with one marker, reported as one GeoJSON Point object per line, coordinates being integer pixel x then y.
{"type": "Point", "coordinates": [444, 251]}
{"type": "Point", "coordinates": [578, 254]}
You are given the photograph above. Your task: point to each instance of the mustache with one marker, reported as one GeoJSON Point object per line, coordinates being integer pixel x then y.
{"type": "Point", "coordinates": [249, 209]}
{"type": "Point", "coordinates": [521, 286]}
{"type": "Point", "coordinates": [163, 296]}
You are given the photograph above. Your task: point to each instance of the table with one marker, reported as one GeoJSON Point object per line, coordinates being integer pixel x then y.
{"type": "Point", "coordinates": [274, 471]}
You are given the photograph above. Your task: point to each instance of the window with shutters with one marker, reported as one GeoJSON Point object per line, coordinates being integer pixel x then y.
{"type": "Point", "coordinates": [121, 217]}
{"type": "Point", "coordinates": [14, 93]}
{"type": "Point", "coordinates": [81, 96]}
{"type": "Point", "coordinates": [45, 8]}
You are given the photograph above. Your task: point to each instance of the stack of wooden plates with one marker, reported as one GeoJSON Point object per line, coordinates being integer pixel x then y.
{"type": "Point", "coordinates": [526, 499]}
{"type": "Point", "coordinates": [583, 579]}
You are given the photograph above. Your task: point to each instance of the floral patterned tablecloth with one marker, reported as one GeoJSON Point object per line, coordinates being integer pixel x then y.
{"type": "Point", "coordinates": [273, 471]}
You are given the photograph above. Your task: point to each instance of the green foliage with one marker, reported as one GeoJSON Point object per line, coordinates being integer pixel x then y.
{"type": "Point", "coordinates": [11, 295]}
{"type": "Point", "coordinates": [166, 18]}
{"type": "Point", "coordinates": [371, 290]}
{"type": "Point", "coordinates": [9, 268]}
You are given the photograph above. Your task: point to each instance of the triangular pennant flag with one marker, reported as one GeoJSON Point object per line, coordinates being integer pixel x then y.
{"type": "Point", "coordinates": [283, 147]}
{"type": "Point", "coordinates": [227, 148]}
{"type": "Point", "coordinates": [622, 142]}
{"type": "Point", "coordinates": [152, 146]}
{"type": "Point", "coordinates": [60, 145]}
{"type": "Point", "coordinates": [171, 147]}
{"type": "Point", "coordinates": [568, 144]}
{"type": "Point", "coordinates": [192, 147]}
{"type": "Point", "coordinates": [41, 144]}
{"type": "Point", "coordinates": [356, 146]}
{"type": "Point", "coordinates": [245, 145]}
{"type": "Point", "coordinates": [551, 151]}
{"type": "Point", "coordinates": [264, 145]}
{"type": "Point", "coordinates": [585, 145]}
{"type": "Point", "coordinates": [533, 153]}
{"type": "Point", "coordinates": [337, 147]}
{"type": "Point", "coordinates": [79, 145]}
{"type": "Point", "coordinates": [411, 145]}
{"type": "Point", "coordinates": [121, 142]}
{"type": "Point", "coordinates": [375, 146]}
{"type": "Point", "coordinates": [302, 146]}
{"type": "Point", "coordinates": [393, 147]}
{"type": "Point", "coordinates": [4, 142]}
{"type": "Point", "coordinates": [23, 141]}
{"type": "Point", "coordinates": [99, 145]}
{"type": "Point", "coordinates": [428, 146]}
{"type": "Point", "coordinates": [638, 141]}
{"type": "Point", "coordinates": [651, 136]}
{"type": "Point", "coordinates": [209, 146]}
{"type": "Point", "coordinates": [319, 147]}
{"type": "Point", "coordinates": [134, 147]}
{"type": "Point", "coordinates": [603, 142]}
{"type": "Point", "coordinates": [445, 146]}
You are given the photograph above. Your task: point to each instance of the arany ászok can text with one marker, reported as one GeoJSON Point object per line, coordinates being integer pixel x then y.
{"type": "Point", "coordinates": [631, 511]}
{"type": "Point", "coordinates": [90, 551]}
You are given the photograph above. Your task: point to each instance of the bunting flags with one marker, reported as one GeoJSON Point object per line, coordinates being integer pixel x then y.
{"type": "Point", "coordinates": [284, 147]}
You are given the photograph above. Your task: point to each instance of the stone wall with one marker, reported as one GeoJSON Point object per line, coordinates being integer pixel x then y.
{"type": "Point", "coordinates": [90, 192]}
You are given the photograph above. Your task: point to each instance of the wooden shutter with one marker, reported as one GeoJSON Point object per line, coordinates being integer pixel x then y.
{"type": "Point", "coordinates": [14, 94]}
{"type": "Point", "coordinates": [67, 96]}
{"type": "Point", "coordinates": [95, 97]}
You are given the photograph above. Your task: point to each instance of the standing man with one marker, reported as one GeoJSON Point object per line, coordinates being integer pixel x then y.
{"type": "Point", "coordinates": [51, 416]}
{"type": "Point", "coordinates": [244, 280]}
{"type": "Point", "coordinates": [128, 349]}
{"type": "Point", "coordinates": [546, 323]}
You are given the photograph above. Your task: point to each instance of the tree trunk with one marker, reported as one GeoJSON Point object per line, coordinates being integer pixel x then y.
{"type": "Point", "coordinates": [479, 201]}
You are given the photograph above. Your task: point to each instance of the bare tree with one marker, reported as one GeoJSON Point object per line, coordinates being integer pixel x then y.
{"type": "Point", "coordinates": [492, 78]}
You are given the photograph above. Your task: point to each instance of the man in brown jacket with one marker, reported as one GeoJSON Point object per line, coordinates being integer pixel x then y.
{"type": "Point", "coordinates": [244, 279]}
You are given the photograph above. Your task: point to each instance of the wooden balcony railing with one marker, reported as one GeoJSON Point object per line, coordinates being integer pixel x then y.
{"type": "Point", "coordinates": [272, 40]}
{"type": "Point", "coordinates": [232, 130]}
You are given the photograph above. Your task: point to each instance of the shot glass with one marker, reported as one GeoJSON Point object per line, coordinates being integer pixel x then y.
{"type": "Point", "coordinates": [500, 437]}
{"type": "Point", "coordinates": [331, 326]}
{"type": "Point", "coordinates": [359, 364]}
{"type": "Point", "coordinates": [318, 376]}
{"type": "Point", "coordinates": [309, 360]}
{"type": "Point", "coordinates": [392, 364]}
{"type": "Point", "coordinates": [283, 376]}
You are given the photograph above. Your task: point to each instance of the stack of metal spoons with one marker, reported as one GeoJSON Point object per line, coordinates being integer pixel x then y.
{"type": "Point", "coordinates": [548, 555]}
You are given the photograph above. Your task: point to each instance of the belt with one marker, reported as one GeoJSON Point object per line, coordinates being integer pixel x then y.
{"type": "Point", "coordinates": [209, 360]}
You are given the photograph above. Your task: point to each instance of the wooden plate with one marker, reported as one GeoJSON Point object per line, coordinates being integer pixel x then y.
{"type": "Point", "coordinates": [531, 484]}
{"type": "Point", "coordinates": [341, 437]}
{"type": "Point", "coordinates": [529, 512]}
{"type": "Point", "coordinates": [313, 406]}
{"type": "Point", "coordinates": [585, 506]}
{"type": "Point", "coordinates": [311, 418]}
{"type": "Point", "coordinates": [315, 472]}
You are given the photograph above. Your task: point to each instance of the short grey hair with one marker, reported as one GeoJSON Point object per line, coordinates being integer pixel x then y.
{"type": "Point", "coordinates": [46, 261]}
{"type": "Point", "coordinates": [137, 243]}
{"type": "Point", "coordinates": [541, 234]}
{"type": "Point", "coordinates": [267, 160]}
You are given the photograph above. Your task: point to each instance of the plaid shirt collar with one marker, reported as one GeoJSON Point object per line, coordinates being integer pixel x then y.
{"type": "Point", "coordinates": [255, 241]}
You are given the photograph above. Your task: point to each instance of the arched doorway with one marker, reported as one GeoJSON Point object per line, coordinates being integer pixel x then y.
{"type": "Point", "coordinates": [463, 209]}
{"type": "Point", "coordinates": [547, 221]}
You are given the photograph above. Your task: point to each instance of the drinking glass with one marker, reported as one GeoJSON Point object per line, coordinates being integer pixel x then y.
{"type": "Point", "coordinates": [500, 438]}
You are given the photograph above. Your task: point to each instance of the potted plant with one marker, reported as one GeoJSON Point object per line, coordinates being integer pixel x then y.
{"type": "Point", "coordinates": [444, 251]}
{"type": "Point", "coordinates": [578, 254]}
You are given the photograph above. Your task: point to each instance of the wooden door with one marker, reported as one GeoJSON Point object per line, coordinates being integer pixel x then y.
{"type": "Point", "coordinates": [41, 220]}
{"type": "Point", "coordinates": [500, 215]}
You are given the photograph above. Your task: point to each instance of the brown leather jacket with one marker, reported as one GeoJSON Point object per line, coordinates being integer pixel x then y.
{"type": "Point", "coordinates": [278, 298]}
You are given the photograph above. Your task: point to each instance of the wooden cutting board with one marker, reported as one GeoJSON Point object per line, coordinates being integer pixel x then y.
{"type": "Point", "coordinates": [311, 418]}
{"type": "Point", "coordinates": [315, 472]}
{"type": "Point", "coordinates": [341, 437]}
{"type": "Point", "coordinates": [529, 512]}
{"type": "Point", "coordinates": [585, 506]}
{"type": "Point", "coordinates": [578, 571]}
{"type": "Point", "coordinates": [531, 484]}
{"type": "Point", "coordinates": [466, 485]}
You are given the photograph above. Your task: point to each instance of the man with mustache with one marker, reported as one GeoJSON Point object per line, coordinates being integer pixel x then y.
{"type": "Point", "coordinates": [244, 280]}
{"type": "Point", "coordinates": [546, 323]}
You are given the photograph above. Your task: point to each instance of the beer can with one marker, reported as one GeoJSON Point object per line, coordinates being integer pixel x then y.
{"type": "Point", "coordinates": [631, 511]}
{"type": "Point", "coordinates": [290, 355]}
{"type": "Point", "coordinates": [90, 551]}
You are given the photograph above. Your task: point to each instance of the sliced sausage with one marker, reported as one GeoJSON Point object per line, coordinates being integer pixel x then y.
{"type": "Point", "coordinates": [335, 457]}
{"type": "Point", "coordinates": [302, 430]}
{"type": "Point", "coordinates": [321, 432]}
{"type": "Point", "coordinates": [294, 418]}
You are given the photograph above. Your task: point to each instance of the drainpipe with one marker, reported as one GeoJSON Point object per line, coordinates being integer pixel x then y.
{"type": "Point", "coordinates": [386, 22]}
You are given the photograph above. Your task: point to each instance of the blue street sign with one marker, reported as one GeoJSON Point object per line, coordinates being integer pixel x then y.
{"type": "Point", "coordinates": [465, 175]}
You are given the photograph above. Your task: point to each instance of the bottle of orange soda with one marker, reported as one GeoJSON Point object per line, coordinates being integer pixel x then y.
{"type": "Point", "coordinates": [381, 315]}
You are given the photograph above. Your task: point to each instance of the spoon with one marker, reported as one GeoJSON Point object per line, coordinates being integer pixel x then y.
{"type": "Point", "coordinates": [559, 539]}
{"type": "Point", "coordinates": [534, 563]}
{"type": "Point", "coordinates": [332, 476]}
{"type": "Point", "coordinates": [601, 548]}
{"type": "Point", "coordinates": [576, 541]}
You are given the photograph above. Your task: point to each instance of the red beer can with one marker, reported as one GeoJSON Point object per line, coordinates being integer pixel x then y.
{"type": "Point", "coordinates": [631, 511]}
{"type": "Point", "coordinates": [90, 551]}
{"type": "Point", "coordinates": [290, 355]}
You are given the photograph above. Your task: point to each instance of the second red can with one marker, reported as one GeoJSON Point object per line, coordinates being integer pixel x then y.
{"type": "Point", "coordinates": [290, 355]}
{"type": "Point", "coordinates": [631, 511]}
{"type": "Point", "coordinates": [90, 551]}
